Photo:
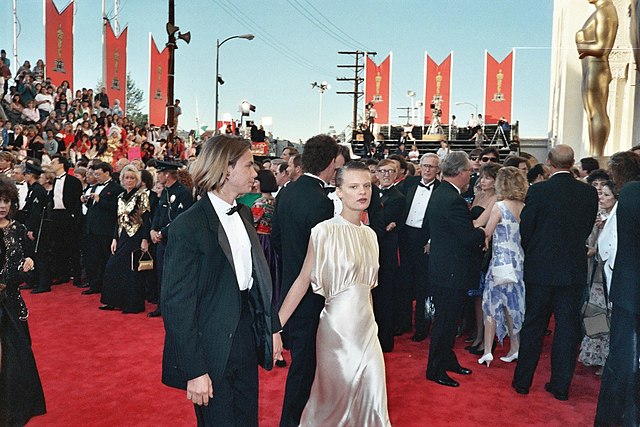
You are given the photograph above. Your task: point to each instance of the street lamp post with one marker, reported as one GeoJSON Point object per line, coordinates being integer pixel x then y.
{"type": "Point", "coordinates": [218, 78]}
{"type": "Point", "coordinates": [322, 87]}
{"type": "Point", "coordinates": [411, 94]}
{"type": "Point", "coordinates": [475, 106]}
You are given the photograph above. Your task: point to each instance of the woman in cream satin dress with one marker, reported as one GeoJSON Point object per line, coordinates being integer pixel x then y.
{"type": "Point", "coordinates": [349, 387]}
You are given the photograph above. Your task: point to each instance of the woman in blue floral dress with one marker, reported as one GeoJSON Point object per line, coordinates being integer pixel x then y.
{"type": "Point", "coordinates": [503, 301]}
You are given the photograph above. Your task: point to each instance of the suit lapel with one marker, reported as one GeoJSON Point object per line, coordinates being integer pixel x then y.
{"type": "Point", "coordinates": [216, 227]}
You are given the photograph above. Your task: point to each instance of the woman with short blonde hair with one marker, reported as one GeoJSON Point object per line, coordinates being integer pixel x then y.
{"type": "Point", "coordinates": [132, 170]}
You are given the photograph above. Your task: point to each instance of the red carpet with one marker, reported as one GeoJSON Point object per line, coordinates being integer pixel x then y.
{"type": "Point", "coordinates": [103, 369]}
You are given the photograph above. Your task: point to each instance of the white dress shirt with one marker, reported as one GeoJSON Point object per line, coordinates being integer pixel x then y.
{"type": "Point", "coordinates": [419, 204]}
{"type": "Point", "coordinates": [238, 241]}
{"type": "Point", "coordinates": [23, 190]}
{"type": "Point", "coordinates": [58, 191]}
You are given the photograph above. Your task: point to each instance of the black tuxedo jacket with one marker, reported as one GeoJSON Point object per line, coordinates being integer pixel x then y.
{"type": "Point", "coordinates": [556, 220]}
{"type": "Point", "coordinates": [300, 206]}
{"type": "Point", "coordinates": [393, 208]}
{"type": "Point", "coordinates": [201, 302]}
{"type": "Point", "coordinates": [625, 283]}
{"type": "Point", "coordinates": [71, 196]}
{"type": "Point", "coordinates": [410, 186]}
{"type": "Point", "coordinates": [454, 260]}
{"type": "Point", "coordinates": [102, 216]}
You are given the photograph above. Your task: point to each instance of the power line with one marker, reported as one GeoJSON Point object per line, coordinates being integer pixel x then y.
{"type": "Point", "coordinates": [316, 23]}
{"type": "Point", "coordinates": [269, 40]}
{"type": "Point", "coordinates": [337, 28]}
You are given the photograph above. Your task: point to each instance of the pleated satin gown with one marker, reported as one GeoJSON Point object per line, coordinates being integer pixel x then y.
{"type": "Point", "coordinates": [349, 388]}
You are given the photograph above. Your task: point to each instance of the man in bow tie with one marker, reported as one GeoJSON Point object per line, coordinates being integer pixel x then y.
{"type": "Point", "coordinates": [414, 257]}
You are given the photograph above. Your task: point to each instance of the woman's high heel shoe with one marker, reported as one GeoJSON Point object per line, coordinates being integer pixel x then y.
{"type": "Point", "coordinates": [509, 359]}
{"type": "Point", "coordinates": [487, 358]}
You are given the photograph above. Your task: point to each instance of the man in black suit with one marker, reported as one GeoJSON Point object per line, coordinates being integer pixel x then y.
{"type": "Point", "coordinates": [36, 212]}
{"type": "Point", "coordinates": [100, 223]}
{"type": "Point", "coordinates": [414, 260]}
{"type": "Point", "coordinates": [393, 209]}
{"type": "Point", "coordinates": [175, 199]}
{"type": "Point", "coordinates": [300, 206]}
{"type": "Point", "coordinates": [65, 217]}
{"type": "Point", "coordinates": [453, 264]}
{"type": "Point", "coordinates": [618, 402]}
{"type": "Point", "coordinates": [216, 296]}
{"type": "Point", "coordinates": [556, 220]}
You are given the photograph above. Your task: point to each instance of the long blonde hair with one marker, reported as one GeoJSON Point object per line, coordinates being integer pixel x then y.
{"type": "Point", "coordinates": [209, 171]}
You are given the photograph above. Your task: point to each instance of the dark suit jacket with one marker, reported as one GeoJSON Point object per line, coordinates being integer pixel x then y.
{"type": "Point", "coordinates": [557, 218]}
{"type": "Point", "coordinates": [102, 216]}
{"type": "Point", "coordinates": [410, 186]}
{"type": "Point", "coordinates": [300, 206]}
{"type": "Point", "coordinates": [71, 196]}
{"type": "Point", "coordinates": [201, 302]}
{"type": "Point", "coordinates": [37, 201]}
{"type": "Point", "coordinates": [393, 208]}
{"type": "Point", "coordinates": [454, 260]}
{"type": "Point", "coordinates": [625, 283]}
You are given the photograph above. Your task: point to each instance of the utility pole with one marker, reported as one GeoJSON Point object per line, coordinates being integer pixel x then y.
{"type": "Point", "coordinates": [356, 79]}
{"type": "Point", "coordinates": [171, 44]}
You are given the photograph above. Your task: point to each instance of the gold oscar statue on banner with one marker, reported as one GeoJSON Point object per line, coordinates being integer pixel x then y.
{"type": "Point", "coordinates": [438, 97]}
{"type": "Point", "coordinates": [115, 83]}
{"type": "Point", "coordinates": [594, 42]}
{"type": "Point", "coordinates": [499, 96]}
{"type": "Point", "coordinates": [377, 97]}
{"type": "Point", "coordinates": [58, 64]}
{"type": "Point", "coordinates": [158, 94]}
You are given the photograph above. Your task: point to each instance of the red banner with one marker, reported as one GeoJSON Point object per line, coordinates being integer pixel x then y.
{"type": "Point", "coordinates": [116, 67]}
{"type": "Point", "coordinates": [498, 89]}
{"type": "Point", "coordinates": [378, 88]}
{"type": "Point", "coordinates": [437, 84]}
{"type": "Point", "coordinates": [158, 80]}
{"type": "Point", "coordinates": [58, 35]}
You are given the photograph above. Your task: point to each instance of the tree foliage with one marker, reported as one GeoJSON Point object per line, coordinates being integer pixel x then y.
{"type": "Point", "coordinates": [135, 96]}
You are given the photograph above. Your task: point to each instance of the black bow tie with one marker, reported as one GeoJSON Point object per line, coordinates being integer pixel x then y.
{"type": "Point", "coordinates": [233, 209]}
{"type": "Point", "coordinates": [428, 187]}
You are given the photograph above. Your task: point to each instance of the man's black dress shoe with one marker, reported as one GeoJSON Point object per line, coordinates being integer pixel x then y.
{"type": "Point", "coordinates": [281, 363]}
{"type": "Point", "coordinates": [40, 291]}
{"type": "Point", "coordinates": [154, 313]}
{"type": "Point", "coordinates": [90, 292]}
{"type": "Point", "coordinates": [419, 336]}
{"type": "Point", "coordinates": [445, 380]}
{"type": "Point", "coordinates": [559, 396]}
{"type": "Point", "coordinates": [460, 370]}
{"type": "Point", "coordinates": [106, 307]}
{"type": "Point", "coordinates": [519, 390]}
{"type": "Point", "coordinates": [78, 284]}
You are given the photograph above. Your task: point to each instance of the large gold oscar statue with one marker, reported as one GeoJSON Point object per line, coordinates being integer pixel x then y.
{"type": "Point", "coordinates": [635, 31]}
{"type": "Point", "coordinates": [594, 42]}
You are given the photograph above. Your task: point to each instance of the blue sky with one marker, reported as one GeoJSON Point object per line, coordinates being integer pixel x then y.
{"type": "Point", "coordinates": [297, 43]}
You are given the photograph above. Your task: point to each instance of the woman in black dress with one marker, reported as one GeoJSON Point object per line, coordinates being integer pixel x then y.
{"type": "Point", "coordinates": [21, 395]}
{"type": "Point", "coordinates": [123, 285]}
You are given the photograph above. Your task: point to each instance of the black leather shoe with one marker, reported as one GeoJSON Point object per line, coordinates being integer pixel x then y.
{"type": "Point", "coordinates": [106, 307]}
{"type": "Point", "coordinates": [281, 363]}
{"type": "Point", "coordinates": [559, 396]}
{"type": "Point", "coordinates": [79, 284]}
{"type": "Point", "coordinates": [419, 336]}
{"type": "Point", "coordinates": [154, 313]}
{"type": "Point", "coordinates": [519, 390]}
{"type": "Point", "coordinates": [40, 291]}
{"type": "Point", "coordinates": [90, 292]}
{"type": "Point", "coordinates": [445, 380]}
{"type": "Point", "coordinates": [460, 370]}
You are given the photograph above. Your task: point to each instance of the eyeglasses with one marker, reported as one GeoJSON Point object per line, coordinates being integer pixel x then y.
{"type": "Point", "coordinates": [386, 171]}
{"type": "Point", "coordinates": [429, 166]}
{"type": "Point", "coordinates": [489, 159]}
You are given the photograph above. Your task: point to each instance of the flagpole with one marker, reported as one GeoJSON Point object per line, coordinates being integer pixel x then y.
{"type": "Point", "coordinates": [15, 40]}
{"type": "Point", "coordinates": [116, 8]}
{"type": "Point", "coordinates": [197, 119]}
{"type": "Point", "coordinates": [105, 20]}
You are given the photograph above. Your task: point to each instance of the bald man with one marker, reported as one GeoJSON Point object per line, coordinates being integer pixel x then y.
{"type": "Point", "coordinates": [556, 220]}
